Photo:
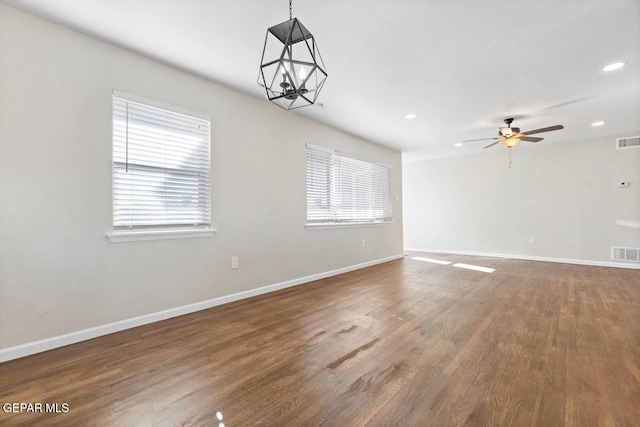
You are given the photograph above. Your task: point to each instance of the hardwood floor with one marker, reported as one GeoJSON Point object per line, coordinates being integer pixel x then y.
{"type": "Point", "coordinates": [406, 343]}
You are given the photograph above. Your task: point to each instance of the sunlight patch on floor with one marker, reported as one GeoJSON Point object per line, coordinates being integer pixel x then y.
{"type": "Point", "coordinates": [433, 261]}
{"type": "Point", "coordinates": [474, 267]}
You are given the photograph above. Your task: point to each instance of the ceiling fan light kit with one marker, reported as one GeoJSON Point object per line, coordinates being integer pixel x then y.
{"type": "Point", "coordinates": [509, 142]}
{"type": "Point", "coordinates": [291, 70]}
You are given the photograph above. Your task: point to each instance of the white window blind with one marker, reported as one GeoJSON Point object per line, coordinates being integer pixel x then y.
{"type": "Point", "coordinates": [343, 189]}
{"type": "Point", "coordinates": [161, 166]}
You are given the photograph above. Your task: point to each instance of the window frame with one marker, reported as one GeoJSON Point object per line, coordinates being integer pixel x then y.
{"type": "Point", "coordinates": [345, 223]}
{"type": "Point", "coordinates": [118, 233]}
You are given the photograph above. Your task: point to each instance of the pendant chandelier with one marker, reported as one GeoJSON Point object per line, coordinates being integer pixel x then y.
{"type": "Point", "coordinates": [291, 71]}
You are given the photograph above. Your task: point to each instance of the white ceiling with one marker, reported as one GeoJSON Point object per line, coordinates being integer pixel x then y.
{"type": "Point", "coordinates": [461, 65]}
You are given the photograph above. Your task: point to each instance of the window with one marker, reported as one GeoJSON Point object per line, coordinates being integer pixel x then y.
{"type": "Point", "coordinates": [161, 166]}
{"type": "Point", "coordinates": [343, 189]}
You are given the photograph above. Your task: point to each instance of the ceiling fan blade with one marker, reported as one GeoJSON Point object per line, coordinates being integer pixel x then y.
{"type": "Point", "coordinates": [531, 138]}
{"type": "Point", "coordinates": [490, 145]}
{"type": "Point", "coordinates": [547, 129]}
{"type": "Point", "coordinates": [483, 139]}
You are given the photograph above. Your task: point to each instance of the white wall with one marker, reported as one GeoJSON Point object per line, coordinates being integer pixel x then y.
{"type": "Point", "coordinates": [563, 194]}
{"type": "Point", "coordinates": [58, 271]}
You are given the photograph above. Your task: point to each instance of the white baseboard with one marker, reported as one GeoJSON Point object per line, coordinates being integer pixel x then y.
{"type": "Point", "coordinates": [531, 258]}
{"type": "Point", "coordinates": [27, 349]}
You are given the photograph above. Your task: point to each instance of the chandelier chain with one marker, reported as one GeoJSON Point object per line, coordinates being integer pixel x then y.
{"type": "Point", "coordinates": [290, 16]}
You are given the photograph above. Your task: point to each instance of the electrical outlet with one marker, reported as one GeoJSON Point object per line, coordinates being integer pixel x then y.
{"type": "Point", "coordinates": [234, 262]}
{"type": "Point", "coordinates": [532, 240]}
{"type": "Point", "coordinates": [364, 244]}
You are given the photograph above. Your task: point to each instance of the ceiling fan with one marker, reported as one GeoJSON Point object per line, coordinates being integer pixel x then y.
{"type": "Point", "coordinates": [509, 137]}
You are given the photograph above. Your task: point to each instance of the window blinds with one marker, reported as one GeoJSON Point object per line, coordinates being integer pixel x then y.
{"type": "Point", "coordinates": [345, 189]}
{"type": "Point", "coordinates": [161, 167]}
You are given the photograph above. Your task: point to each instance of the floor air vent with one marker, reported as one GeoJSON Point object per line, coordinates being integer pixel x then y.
{"type": "Point", "coordinates": [625, 254]}
{"type": "Point", "coordinates": [628, 142]}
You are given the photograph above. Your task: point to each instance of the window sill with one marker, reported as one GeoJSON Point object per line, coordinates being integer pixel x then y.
{"type": "Point", "coordinates": [141, 235]}
{"type": "Point", "coordinates": [346, 225]}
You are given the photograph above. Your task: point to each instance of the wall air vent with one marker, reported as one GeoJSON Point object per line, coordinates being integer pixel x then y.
{"type": "Point", "coordinates": [628, 142]}
{"type": "Point", "coordinates": [625, 254]}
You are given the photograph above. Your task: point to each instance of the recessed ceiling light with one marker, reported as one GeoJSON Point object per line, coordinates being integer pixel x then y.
{"type": "Point", "coordinates": [614, 66]}
{"type": "Point", "coordinates": [411, 116]}
{"type": "Point", "coordinates": [597, 123]}
{"type": "Point", "coordinates": [458, 144]}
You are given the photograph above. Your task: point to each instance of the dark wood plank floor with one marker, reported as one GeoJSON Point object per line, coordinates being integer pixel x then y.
{"type": "Point", "coordinates": [403, 343]}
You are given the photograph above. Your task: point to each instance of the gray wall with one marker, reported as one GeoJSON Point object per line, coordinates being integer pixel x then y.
{"type": "Point", "coordinates": [58, 271]}
{"type": "Point", "coordinates": [563, 194]}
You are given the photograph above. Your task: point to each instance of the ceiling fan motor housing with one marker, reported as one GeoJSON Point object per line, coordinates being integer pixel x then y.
{"type": "Point", "coordinates": [508, 131]}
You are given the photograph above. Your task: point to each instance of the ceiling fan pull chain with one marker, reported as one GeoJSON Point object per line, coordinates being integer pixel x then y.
{"type": "Point", "coordinates": [290, 16]}
{"type": "Point", "coordinates": [509, 158]}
